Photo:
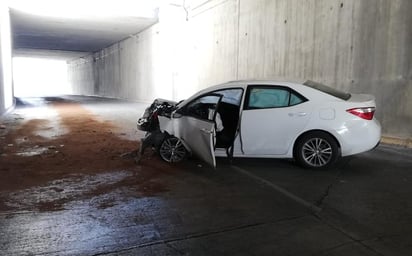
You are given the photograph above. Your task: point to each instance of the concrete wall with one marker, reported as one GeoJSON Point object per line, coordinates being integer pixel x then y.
{"type": "Point", "coordinates": [6, 85]}
{"type": "Point", "coordinates": [360, 46]}
{"type": "Point", "coordinates": [131, 69]}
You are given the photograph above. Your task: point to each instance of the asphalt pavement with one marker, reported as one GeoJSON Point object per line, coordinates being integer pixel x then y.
{"type": "Point", "coordinates": [361, 206]}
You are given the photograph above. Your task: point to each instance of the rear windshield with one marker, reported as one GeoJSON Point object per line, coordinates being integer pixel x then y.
{"type": "Point", "coordinates": [329, 90]}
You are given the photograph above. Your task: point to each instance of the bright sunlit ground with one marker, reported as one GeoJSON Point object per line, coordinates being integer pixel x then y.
{"type": "Point", "coordinates": [35, 77]}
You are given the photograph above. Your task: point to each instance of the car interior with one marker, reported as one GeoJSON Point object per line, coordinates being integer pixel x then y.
{"type": "Point", "coordinates": [229, 114]}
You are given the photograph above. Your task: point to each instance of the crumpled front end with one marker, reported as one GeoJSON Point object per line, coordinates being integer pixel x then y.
{"type": "Point", "coordinates": [149, 121]}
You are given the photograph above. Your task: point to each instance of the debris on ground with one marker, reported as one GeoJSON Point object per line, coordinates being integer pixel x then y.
{"type": "Point", "coordinates": [33, 152]}
{"type": "Point", "coordinates": [130, 154]}
{"type": "Point", "coordinates": [2, 126]}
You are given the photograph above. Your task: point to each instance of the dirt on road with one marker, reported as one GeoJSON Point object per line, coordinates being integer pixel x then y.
{"type": "Point", "coordinates": [43, 155]}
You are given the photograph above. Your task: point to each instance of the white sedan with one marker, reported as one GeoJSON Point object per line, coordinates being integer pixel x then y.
{"type": "Point", "coordinates": [310, 122]}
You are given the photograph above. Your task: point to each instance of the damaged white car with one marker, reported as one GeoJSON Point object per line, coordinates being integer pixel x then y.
{"type": "Point", "coordinates": [310, 122]}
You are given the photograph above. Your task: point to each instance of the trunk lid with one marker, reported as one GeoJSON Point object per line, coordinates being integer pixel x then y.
{"type": "Point", "coordinates": [362, 100]}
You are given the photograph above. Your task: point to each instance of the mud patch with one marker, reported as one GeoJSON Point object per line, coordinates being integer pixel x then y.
{"type": "Point", "coordinates": [79, 159]}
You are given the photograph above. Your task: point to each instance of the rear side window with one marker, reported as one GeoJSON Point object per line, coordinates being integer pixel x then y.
{"type": "Point", "coordinates": [329, 90]}
{"type": "Point", "coordinates": [295, 99]}
{"type": "Point", "coordinates": [260, 97]}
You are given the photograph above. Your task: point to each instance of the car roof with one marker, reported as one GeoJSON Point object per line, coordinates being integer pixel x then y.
{"type": "Point", "coordinates": [242, 83]}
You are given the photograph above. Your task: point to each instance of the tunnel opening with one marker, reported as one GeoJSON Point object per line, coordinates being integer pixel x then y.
{"type": "Point", "coordinates": [40, 77]}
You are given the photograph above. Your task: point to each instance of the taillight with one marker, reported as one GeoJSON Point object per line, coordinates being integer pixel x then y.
{"type": "Point", "coordinates": [365, 113]}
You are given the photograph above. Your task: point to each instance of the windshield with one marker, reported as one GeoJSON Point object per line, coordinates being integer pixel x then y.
{"type": "Point", "coordinates": [329, 90]}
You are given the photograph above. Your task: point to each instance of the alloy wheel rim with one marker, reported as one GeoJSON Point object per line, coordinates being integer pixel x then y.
{"type": "Point", "coordinates": [317, 152]}
{"type": "Point", "coordinates": [172, 150]}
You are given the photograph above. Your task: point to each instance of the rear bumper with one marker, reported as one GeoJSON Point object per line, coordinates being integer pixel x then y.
{"type": "Point", "coordinates": [379, 142]}
{"type": "Point", "coordinates": [360, 136]}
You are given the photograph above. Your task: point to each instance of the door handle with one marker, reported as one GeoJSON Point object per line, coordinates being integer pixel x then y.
{"type": "Point", "coordinates": [301, 114]}
{"type": "Point", "coordinates": [206, 131]}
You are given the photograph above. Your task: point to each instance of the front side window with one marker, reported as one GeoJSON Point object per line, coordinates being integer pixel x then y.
{"type": "Point", "coordinates": [231, 96]}
{"type": "Point", "coordinates": [261, 97]}
{"type": "Point", "coordinates": [203, 107]}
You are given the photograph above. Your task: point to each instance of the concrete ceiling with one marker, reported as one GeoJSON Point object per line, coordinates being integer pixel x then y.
{"type": "Point", "coordinates": [74, 29]}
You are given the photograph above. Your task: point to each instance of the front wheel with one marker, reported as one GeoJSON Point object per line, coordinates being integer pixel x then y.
{"type": "Point", "coordinates": [316, 150]}
{"type": "Point", "coordinates": [172, 150]}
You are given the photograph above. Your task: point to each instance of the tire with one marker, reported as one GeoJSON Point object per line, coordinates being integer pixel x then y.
{"type": "Point", "coordinates": [172, 150]}
{"type": "Point", "coordinates": [316, 150]}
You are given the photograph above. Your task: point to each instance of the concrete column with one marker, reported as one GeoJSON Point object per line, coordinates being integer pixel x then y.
{"type": "Point", "coordinates": [6, 85]}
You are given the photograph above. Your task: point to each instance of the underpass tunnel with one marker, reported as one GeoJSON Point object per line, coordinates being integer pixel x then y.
{"type": "Point", "coordinates": [141, 50]}
{"type": "Point", "coordinates": [76, 75]}
{"type": "Point", "coordinates": [39, 38]}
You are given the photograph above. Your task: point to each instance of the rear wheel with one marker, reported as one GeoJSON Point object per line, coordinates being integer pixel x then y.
{"type": "Point", "coordinates": [172, 150]}
{"type": "Point", "coordinates": [316, 150]}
